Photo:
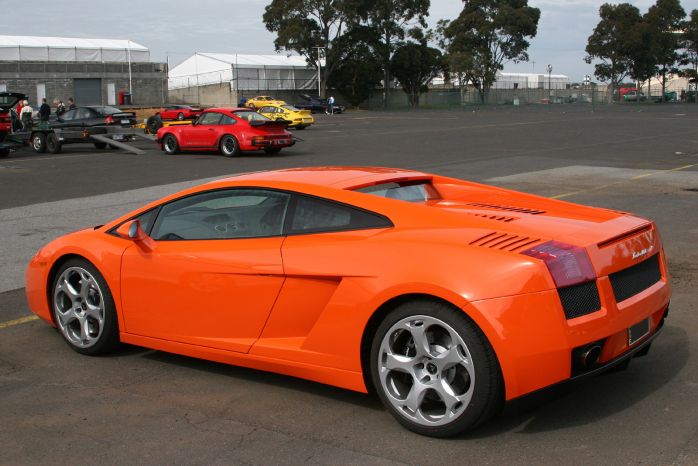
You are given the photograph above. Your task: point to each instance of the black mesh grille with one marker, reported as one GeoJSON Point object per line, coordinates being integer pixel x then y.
{"type": "Point", "coordinates": [580, 300]}
{"type": "Point", "coordinates": [633, 280]}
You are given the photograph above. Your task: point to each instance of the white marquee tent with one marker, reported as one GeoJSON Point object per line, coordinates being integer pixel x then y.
{"type": "Point", "coordinates": [243, 72]}
{"type": "Point", "coordinates": [70, 49]}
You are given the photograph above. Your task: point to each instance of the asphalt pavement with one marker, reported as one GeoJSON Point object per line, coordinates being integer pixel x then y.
{"type": "Point", "coordinates": [146, 407]}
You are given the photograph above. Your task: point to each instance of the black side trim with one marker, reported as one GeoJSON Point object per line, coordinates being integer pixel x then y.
{"type": "Point", "coordinates": [580, 300]}
{"type": "Point", "coordinates": [633, 280]}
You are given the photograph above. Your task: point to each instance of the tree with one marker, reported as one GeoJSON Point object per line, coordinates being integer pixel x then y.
{"type": "Point", "coordinates": [415, 65]}
{"type": "Point", "coordinates": [666, 18]}
{"type": "Point", "coordinates": [487, 34]}
{"type": "Point", "coordinates": [610, 43]}
{"type": "Point", "coordinates": [690, 45]}
{"type": "Point", "coordinates": [390, 20]}
{"type": "Point", "coordinates": [640, 56]}
{"type": "Point", "coordinates": [358, 70]}
{"type": "Point", "coordinates": [303, 25]}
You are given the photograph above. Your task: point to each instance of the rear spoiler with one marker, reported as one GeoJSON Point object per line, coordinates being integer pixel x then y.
{"type": "Point", "coordinates": [283, 123]}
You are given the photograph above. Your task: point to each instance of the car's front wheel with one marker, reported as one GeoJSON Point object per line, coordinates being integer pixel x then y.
{"type": "Point", "coordinates": [434, 369]}
{"type": "Point", "coordinates": [170, 145]}
{"type": "Point", "coordinates": [180, 116]}
{"type": "Point", "coordinates": [83, 308]}
{"type": "Point", "coordinates": [229, 146]}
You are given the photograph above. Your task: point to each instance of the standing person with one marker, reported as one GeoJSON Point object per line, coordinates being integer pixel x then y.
{"type": "Point", "coordinates": [60, 107]}
{"type": "Point", "coordinates": [243, 101]}
{"type": "Point", "coordinates": [71, 103]}
{"type": "Point", "coordinates": [330, 106]}
{"type": "Point", "coordinates": [25, 116]}
{"type": "Point", "coordinates": [683, 96]}
{"type": "Point", "coordinates": [44, 111]}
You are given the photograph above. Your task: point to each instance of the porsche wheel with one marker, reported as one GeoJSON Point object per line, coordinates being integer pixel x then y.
{"type": "Point", "coordinates": [170, 145]}
{"type": "Point", "coordinates": [434, 370]}
{"type": "Point", "coordinates": [229, 146]}
{"type": "Point", "coordinates": [39, 143]}
{"type": "Point", "coordinates": [180, 116]}
{"type": "Point", "coordinates": [83, 308]}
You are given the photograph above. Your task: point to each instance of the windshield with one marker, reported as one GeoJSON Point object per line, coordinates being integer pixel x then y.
{"type": "Point", "coordinates": [419, 191]}
{"type": "Point", "coordinates": [251, 116]}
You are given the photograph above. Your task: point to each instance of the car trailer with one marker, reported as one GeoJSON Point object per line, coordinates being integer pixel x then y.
{"type": "Point", "coordinates": [43, 138]}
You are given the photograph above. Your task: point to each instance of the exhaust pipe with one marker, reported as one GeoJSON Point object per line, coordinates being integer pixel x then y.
{"type": "Point", "coordinates": [589, 356]}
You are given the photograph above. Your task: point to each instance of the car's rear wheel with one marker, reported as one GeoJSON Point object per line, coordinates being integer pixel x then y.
{"type": "Point", "coordinates": [434, 369]}
{"type": "Point", "coordinates": [100, 145]}
{"type": "Point", "coordinates": [180, 116]}
{"type": "Point", "coordinates": [170, 145]}
{"type": "Point", "coordinates": [39, 142]}
{"type": "Point", "coordinates": [229, 146]}
{"type": "Point", "coordinates": [83, 308]}
{"type": "Point", "coordinates": [53, 144]}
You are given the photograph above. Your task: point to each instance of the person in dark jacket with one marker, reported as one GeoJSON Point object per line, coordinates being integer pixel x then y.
{"type": "Point", "coordinates": [71, 103]}
{"type": "Point", "coordinates": [44, 110]}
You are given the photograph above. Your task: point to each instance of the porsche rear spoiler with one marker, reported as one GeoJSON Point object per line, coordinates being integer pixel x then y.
{"type": "Point", "coordinates": [283, 123]}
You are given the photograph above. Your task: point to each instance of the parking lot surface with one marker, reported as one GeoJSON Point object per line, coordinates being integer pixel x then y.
{"type": "Point", "coordinates": [141, 406]}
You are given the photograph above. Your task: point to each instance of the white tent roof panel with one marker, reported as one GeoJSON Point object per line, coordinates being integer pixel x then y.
{"type": "Point", "coordinates": [35, 48]}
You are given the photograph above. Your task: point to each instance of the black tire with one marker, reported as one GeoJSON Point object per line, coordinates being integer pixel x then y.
{"type": "Point", "coordinates": [300, 127]}
{"type": "Point", "coordinates": [108, 339]}
{"type": "Point", "coordinates": [38, 142]}
{"type": "Point", "coordinates": [272, 150]}
{"type": "Point", "coordinates": [100, 145]}
{"type": "Point", "coordinates": [53, 144]}
{"type": "Point", "coordinates": [228, 146]}
{"type": "Point", "coordinates": [153, 123]}
{"type": "Point", "coordinates": [488, 386]}
{"type": "Point", "coordinates": [180, 116]}
{"type": "Point", "coordinates": [170, 144]}
{"type": "Point", "coordinates": [4, 152]}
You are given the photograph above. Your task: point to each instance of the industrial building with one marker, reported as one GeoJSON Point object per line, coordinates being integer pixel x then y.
{"type": "Point", "coordinates": [93, 71]}
{"type": "Point", "coordinates": [221, 79]}
{"type": "Point", "coordinates": [507, 80]}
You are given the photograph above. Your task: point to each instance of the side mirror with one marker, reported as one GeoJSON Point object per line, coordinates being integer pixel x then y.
{"type": "Point", "coordinates": [132, 231]}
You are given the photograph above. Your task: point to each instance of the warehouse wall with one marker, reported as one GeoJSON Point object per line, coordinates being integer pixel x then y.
{"type": "Point", "coordinates": [149, 79]}
{"type": "Point", "coordinates": [222, 95]}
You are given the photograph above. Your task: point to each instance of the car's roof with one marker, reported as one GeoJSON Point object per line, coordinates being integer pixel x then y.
{"type": "Point", "coordinates": [336, 177]}
{"type": "Point", "coordinates": [228, 109]}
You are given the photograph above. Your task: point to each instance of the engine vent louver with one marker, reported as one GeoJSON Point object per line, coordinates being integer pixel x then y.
{"type": "Point", "coordinates": [499, 218]}
{"type": "Point", "coordinates": [504, 241]}
{"type": "Point", "coordinates": [508, 208]}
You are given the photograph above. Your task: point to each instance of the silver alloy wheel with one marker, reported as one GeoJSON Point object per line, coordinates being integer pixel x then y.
{"type": "Point", "coordinates": [426, 370]}
{"type": "Point", "coordinates": [37, 143]}
{"type": "Point", "coordinates": [229, 145]}
{"type": "Point", "coordinates": [79, 307]}
{"type": "Point", "coordinates": [170, 144]}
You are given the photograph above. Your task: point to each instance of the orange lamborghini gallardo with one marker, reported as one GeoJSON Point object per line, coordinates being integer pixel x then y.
{"type": "Point", "coordinates": [445, 297]}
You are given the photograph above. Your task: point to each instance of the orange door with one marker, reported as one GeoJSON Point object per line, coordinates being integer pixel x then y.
{"type": "Point", "coordinates": [215, 293]}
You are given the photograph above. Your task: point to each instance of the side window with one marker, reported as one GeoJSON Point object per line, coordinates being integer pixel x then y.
{"type": "Point", "coordinates": [313, 215]}
{"type": "Point", "coordinates": [227, 120]}
{"type": "Point", "coordinates": [83, 113]}
{"type": "Point", "coordinates": [69, 115]}
{"type": "Point", "coordinates": [225, 214]}
{"type": "Point", "coordinates": [266, 110]}
{"type": "Point", "coordinates": [209, 118]}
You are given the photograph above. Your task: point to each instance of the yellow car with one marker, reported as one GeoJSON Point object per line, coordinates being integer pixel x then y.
{"type": "Point", "coordinates": [297, 118]}
{"type": "Point", "coordinates": [262, 100]}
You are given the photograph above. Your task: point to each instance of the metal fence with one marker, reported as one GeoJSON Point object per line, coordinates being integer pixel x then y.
{"type": "Point", "coordinates": [468, 97]}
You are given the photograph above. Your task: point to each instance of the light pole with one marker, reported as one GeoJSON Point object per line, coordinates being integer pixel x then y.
{"type": "Point", "coordinates": [549, 69]}
{"type": "Point", "coordinates": [319, 66]}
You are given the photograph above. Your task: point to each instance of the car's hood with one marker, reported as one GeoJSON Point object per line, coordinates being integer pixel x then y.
{"type": "Point", "coordinates": [9, 100]}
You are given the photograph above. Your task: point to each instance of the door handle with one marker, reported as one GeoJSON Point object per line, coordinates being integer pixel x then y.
{"type": "Point", "coordinates": [211, 129]}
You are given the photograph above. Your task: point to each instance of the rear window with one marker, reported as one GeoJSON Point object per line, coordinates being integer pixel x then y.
{"type": "Point", "coordinates": [107, 110]}
{"type": "Point", "coordinates": [410, 191]}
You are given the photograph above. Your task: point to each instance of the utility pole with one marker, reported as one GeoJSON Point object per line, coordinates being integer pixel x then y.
{"type": "Point", "coordinates": [130, 82]}
{"type": "Point", "coordinates": [549, 69]}
{"type": "Point", "coordinates": [319, 66]}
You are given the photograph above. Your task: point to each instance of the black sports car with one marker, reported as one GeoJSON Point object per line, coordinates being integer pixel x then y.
{"type": "Point", "coordinates": [316, 105]}
{"type": "Point", "coordinates": [95, 115]}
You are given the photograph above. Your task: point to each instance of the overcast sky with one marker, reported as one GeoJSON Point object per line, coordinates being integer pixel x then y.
{"type": "Point", "coordinates": [179, 28]}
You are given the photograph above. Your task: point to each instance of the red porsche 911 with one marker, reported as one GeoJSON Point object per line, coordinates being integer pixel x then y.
{"type": "Point", "coordinates": [228, 131]}
{"type": "Point", "coordinates": [179, 112]}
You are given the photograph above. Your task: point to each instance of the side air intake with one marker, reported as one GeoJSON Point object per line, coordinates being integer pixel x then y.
{"type": "Point", "coordinates": [521, 210]}
{"type": "Point", "coordinates": [504, 241]}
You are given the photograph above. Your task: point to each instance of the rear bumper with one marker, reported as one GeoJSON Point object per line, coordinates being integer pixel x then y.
{"type": "Point", "coordinates": [534, 342]}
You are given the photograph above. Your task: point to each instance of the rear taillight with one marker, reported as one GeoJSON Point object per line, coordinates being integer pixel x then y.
{"type": "Point", "coordinates": [569, 265]}
{"type": "Point", "coordinates": [261, 140]}
{"type": "Point", "coordinates": [109, 120]}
